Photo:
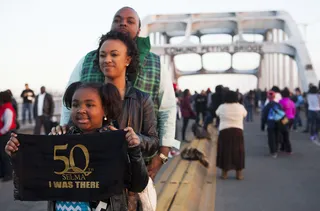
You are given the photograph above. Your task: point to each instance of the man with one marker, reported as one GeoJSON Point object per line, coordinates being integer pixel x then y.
{"type": "Point", "coordinates": [28, 96]}
{"type": "Point", "coordinates": [201, 105]}
{"type": "Point", "coordinates": [43, 111]}
{"type": "Point", "coordinates": [217, 99]}
{"type": "Point", "coordinates": [240, 97]}
{"type": "Point", "coordinates": [299, 102]}
{"type": "Point", "coordinates": [151, 79]}
{"type": "Point", "coordinates": [263, 98]}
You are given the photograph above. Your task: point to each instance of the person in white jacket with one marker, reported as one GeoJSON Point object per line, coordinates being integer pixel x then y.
{"type": "Point", "coordinates": [231, 152]}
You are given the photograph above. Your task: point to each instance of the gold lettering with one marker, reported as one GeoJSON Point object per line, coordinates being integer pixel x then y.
{"type": "Point", "coordinates": [64, 184]}
{"type": "Point", "coordinates": [93, 185]}
{"type": "Point", "coordinates": [73, 177]}
{"type": "Point", "coordinates": [69, 163]}
{"type": "Point", "coordinates": [57, 184]}
{"type": "Point", "coordinates": [70, 184]}
{"type": "Point", "coordinates": [82, 184]}
{"type": "Point", "coordinates": [77, 184]}
{"type": "Point", "coordinates": [86, 155]}
{"type": "Point", "coordinates": [64, 159]}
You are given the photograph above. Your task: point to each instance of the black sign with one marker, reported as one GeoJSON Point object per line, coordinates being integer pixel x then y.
{"type": "Point", "coordinates": [70, 167]}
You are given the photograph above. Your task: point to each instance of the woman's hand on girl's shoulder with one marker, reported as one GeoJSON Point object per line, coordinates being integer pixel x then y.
{"type": "Point", "coordinates": [132, 138]}
{"type": "Point", "coordinates": [59, 130]}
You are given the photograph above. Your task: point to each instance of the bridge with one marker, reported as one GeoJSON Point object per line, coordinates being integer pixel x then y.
{"type": "Point", "coordinates": [271, 37]}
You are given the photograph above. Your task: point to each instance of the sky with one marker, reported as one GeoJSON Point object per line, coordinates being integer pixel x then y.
{"type": "Point", "coordinates": [41, 41]}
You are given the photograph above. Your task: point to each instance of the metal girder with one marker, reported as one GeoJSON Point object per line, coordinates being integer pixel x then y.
{"type": "Point", "coordinates": [233, 23]}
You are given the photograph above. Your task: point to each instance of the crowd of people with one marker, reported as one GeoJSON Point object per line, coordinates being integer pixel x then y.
{"type": "Point", "coordinates": [279, 111]}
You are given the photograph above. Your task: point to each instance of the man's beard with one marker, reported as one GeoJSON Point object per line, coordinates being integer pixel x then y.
{"type": "Point", "coordinates": [126, 33]}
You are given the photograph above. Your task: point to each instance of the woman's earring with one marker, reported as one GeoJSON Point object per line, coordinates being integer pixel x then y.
{"type": "Point", "coordinates": [127, 65]}
{"type": "Point", "coordinates": [105, 118]}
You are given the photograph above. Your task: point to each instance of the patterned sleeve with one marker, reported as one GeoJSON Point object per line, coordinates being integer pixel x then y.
{"type": "Point", "coordinates": [75, 76]}
{"type": "Point", "coordinates": [167, 111]}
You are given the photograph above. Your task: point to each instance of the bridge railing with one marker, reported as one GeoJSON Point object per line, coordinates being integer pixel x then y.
{"type": "Point", "coordinates": [188, 185]}
{"type": "Point", "coordinates": [57, 108]}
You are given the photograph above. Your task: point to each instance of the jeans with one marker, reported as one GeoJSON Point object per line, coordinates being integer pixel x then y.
{"type": "Point", "coordinates": [26, 107]}
{"type": "Point", "coordinates": [202, 113]}
{"type": "Point", "coordinates": [285, 143]}
{"type": "Point", "coordinates": [307, 121]}
{"type": "Point", "coordinates": [45, 121]}
{"type": "Point", "coordinates": [250, 113]}
{"type": "Point", "coordinates": [273, 140]}
{"type": "Point", "coordinates": [207, 120]}
{"type": "Point", "coordinates": [314, 122]}
{"type": "Point", "coordinates": [184, 128]}
{"type": "Point", "coordinates": [297, 119]}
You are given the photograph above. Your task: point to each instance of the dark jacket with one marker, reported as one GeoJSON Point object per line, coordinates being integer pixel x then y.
{"type": "Point", "coordinates": [217, 99]}
{"type": "Point", "coordinates": [264, 118]}
{"type": "Point", "coordinates": [138, 113]}
{"type": "Point", "coordinates": [48, 106]}
{"type": "Point", "coordinates": [186, 110]}
{"type": "Point", "coordinates": [136, 171]}
{"type": "Point", "coordinates": [201, 103]}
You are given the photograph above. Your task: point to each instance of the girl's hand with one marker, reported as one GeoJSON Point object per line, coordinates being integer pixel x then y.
{"type": "Point", "coordinates": [12, 144]}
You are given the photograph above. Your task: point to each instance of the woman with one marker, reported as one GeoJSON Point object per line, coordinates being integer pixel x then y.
{"type": "Point", "coordinates": [277, 96]}
{"type": "Point", "coordinates": [15, 107]}
{"type": "Point", "coordinates": [186, 112]}
{"type": "Point", "coordinates": [7, 125]}
{"type": "Point", "coordinates": [273, 127]}
{"type": "Point", "coordinates": [118, 57]}
{"type": "Point", "coordinates": [93, 107]}
{"type": "Point", "coordinates": [313, 100]}
{"type": "Point", "coordinates": [289, 108]}
{"type": "Point", "coordinates": [230, 155]}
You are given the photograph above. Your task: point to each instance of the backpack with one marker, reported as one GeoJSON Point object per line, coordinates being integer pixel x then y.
{"type": "Point", "coordinates": [278, 115]}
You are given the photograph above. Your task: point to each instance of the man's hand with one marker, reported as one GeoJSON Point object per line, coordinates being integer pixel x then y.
{"type": "Point", "coordinates": [156, 162]}
{"type": "Point", "coordinates": [154, 166]}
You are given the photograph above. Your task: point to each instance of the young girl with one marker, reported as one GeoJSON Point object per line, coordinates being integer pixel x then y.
{"type": "Point", "coordinates": [93, 108]}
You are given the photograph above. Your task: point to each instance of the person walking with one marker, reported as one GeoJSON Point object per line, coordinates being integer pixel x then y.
{"type": "Point", "coordinates": [313, 99]}
{"type": "Point", "coordinates": [289, 108]}
{"type": "Point", "coordinates": [186, 112]}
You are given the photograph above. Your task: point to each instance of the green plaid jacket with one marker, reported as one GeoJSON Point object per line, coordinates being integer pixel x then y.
{"type": "Point", "coordinates": [147, 80]}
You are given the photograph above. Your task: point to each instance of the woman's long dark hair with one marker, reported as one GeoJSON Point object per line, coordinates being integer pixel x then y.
{"type": "Point", "coordinates": [186, 93]}
{"type": "Point", "coordinates": [132, 49]}
{"type": "Point", "coordinates": [109, 94]}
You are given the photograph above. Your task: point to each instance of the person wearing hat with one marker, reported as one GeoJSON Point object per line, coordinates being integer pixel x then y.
{"type": "Point", "coordinates": [273, 129]}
